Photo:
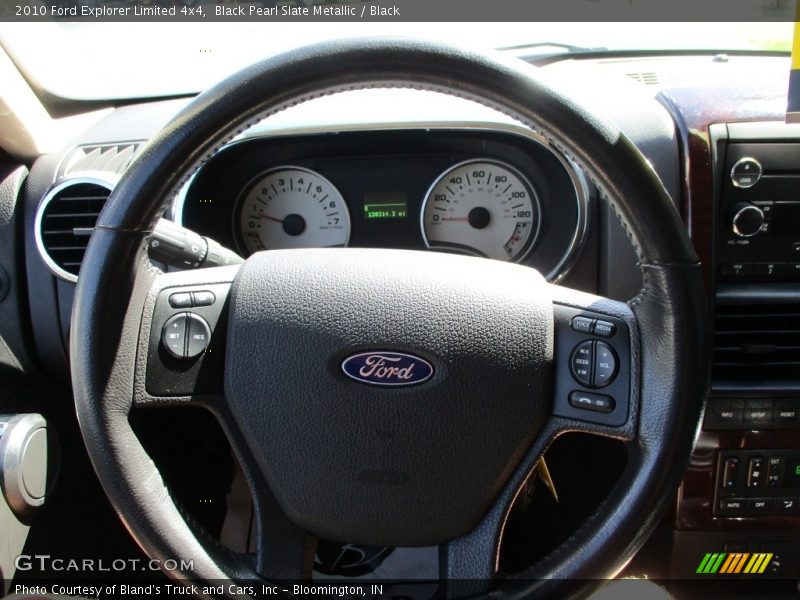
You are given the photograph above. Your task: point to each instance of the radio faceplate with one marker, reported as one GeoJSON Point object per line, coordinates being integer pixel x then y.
{"type": "Point", "coordinates": [757, 231]}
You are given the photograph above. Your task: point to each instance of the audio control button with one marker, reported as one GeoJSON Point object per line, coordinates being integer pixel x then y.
{"type": "Point", "coordinates": [736, 269]}
{"type": "Point", "coordinates": [769, 270]}
{"type": "Point", "coordinates": [746, 172]}
{"type": "Point", "coordinates": [746, 220]}
{"type": "Point", "coordinates": [581, 363]}
{"type": "Point", "coordinates": [793, 270]}
{"type": "Point", "coordinates": [605, 364]}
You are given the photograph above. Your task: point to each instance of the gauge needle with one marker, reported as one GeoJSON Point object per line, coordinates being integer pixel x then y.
{"type": "Point", "coordinates": [270, 218]}
{"type": "Point", "coordinates": [455, 218]}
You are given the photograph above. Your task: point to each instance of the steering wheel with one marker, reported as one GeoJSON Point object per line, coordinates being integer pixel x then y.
{"type": "Point", "coordinates": [493, 351]}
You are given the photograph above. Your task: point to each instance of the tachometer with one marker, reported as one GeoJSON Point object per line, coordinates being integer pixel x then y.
{"type": "Point", "coordinates": [481, 207]}
{"type": "Point", "coordinates": [291, 207]}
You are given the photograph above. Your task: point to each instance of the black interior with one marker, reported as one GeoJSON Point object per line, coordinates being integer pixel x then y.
{"type": "Point", "coordinates": [194, 453]}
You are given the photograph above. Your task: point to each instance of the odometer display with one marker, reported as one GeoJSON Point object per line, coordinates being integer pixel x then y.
{"type": "Point", "coordinates": [481, 207]}
{"type": "Point", "coordinates": [291, 207]}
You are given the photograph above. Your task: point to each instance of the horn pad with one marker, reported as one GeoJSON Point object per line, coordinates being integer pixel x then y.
{"type": "Point", "coordinates": [413, 463]}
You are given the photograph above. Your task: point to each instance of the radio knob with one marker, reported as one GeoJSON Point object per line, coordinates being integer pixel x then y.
{"type": "Point", "coordinates": [747, 220]}
{"type": "Point", "coordinates": [746, 172]}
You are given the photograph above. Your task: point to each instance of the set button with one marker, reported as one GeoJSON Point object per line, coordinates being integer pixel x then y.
{"type": "Point", "coordinates": [185, 335]}
{"type": "Point", "coordinates": [594, 364]}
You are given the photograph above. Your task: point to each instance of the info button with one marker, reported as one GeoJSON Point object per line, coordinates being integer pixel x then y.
{"type": "Point", "coordinates": [723, 414]}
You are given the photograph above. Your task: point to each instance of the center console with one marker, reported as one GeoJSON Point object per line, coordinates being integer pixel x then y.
{"type": "Point", "coordinates": [742, 488]}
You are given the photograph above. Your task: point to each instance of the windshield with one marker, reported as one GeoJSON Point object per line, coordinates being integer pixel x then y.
{"type": "Point", "coordinates": [91, 61]}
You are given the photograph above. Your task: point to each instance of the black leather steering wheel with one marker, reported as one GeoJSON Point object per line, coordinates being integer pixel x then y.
{"type": "Point", "coordinates": [461, 443]}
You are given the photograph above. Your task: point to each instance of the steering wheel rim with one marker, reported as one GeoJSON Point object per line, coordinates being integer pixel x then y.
{"type": "Point", "coordinates": [669, 327]}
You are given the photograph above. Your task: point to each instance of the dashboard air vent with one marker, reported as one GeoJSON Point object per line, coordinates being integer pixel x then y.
{"type": "Point", "coordinates": [65, 220]}
{"type": "Point", "coordinates": [757, 345]}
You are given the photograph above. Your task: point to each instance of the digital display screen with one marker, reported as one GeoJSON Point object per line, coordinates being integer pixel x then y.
{"type": "Point", "coordinates": [385, 205]}
{"type": "Point", "coordinates": [792, 476]}
{"type": "Point", "coordinates": [785, 218]}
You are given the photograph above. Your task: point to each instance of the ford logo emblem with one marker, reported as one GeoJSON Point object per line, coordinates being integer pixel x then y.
{"type": "Point", "coordinates": [387, 368]}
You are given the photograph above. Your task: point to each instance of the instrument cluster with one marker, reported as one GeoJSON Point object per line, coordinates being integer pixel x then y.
{"type": "Point", "coordinates": [499, 195]}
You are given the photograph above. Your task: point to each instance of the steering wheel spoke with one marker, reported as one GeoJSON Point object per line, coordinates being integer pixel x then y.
{"type": "Point", "coordinates": [182, 339]}
{"type": "Point", "coordinates": [284, 552]}
{"type": "Point", "coordinates": [596, 365]}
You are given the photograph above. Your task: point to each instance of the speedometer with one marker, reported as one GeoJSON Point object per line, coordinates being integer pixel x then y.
{"type": "Point", "coordinates": [481, 207]}
{"type": "Point", "coordinates": [291, 207]}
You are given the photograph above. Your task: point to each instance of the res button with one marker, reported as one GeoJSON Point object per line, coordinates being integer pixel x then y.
{"type": "Point", "coordinates": [198, 335]}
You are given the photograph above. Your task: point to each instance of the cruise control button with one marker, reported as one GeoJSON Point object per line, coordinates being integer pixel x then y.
{"type": "Point", "coordinates": [593, 402]}
{"type": "Point", "coordinates": [604, 329]}
{"type": "Point", "coordinates": [605, 364]}
{"type": "Point", "coordinates": [173, 336]}
{"type": "Point", "coordinates": [581, 363]}
{"type": "Point", "coordinates": [582, 324]}
{"type": "Point", "coordinates": [180, 300]}
{"type": "Point", "coordinates": [199, 336]}
{"type": "Point", "coordinates": [204, 298]}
